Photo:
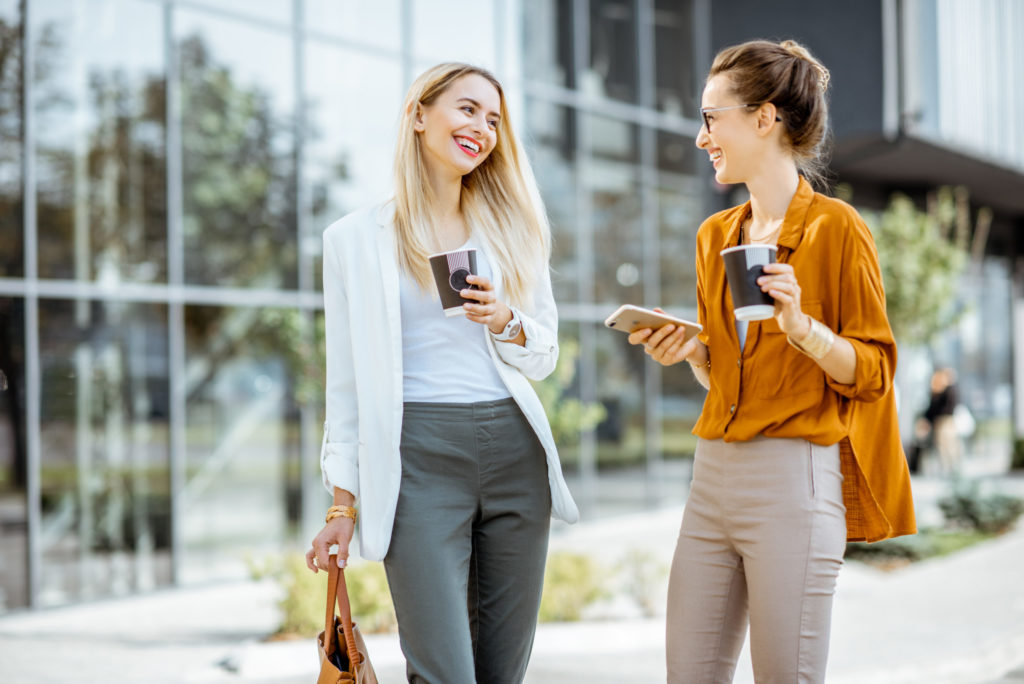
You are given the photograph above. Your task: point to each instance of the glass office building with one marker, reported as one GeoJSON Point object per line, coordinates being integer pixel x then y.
{"type": "Point", "coordinates": [166, 171]}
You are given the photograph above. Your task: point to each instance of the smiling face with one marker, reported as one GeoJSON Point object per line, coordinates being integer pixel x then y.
{"type": "Point", "coordinates": [459, 129]}
{"type": "Point", "coordinates": [733, 140]}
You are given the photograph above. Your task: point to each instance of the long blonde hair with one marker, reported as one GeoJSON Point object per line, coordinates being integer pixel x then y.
{"type": "Point", "coordinates": [500, 201]}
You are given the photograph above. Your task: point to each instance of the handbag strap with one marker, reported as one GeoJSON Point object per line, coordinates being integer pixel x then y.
{"type": "Point", "coordinates": [337, 592]}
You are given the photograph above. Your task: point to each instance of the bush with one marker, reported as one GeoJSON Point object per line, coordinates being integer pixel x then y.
{"type": "Point", "coordinates": [993, 514]}
{"type": "Point", "coordinates": [571, 583]}
{"type": "Point", "coordinates": [641, 575]}
{"type": "Point", "coordinates": [927, 543]}
{"type": "Point", "coordinates": [303, 595]}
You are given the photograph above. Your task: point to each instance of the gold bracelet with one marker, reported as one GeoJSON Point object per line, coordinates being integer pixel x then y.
{"type": "Point", "coordinates": [340, 512]}
{"type": "Point", "coordinates": [703, 365]}
{"type": "Point", "coordinates": [818, 341]}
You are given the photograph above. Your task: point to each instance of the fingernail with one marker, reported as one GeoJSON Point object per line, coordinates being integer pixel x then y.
{"type": "Point", "coordinates": [342, 562]}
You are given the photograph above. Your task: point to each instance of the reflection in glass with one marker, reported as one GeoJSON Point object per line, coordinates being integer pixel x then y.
{"type": "Point", "coordinates": [618, 233]}
{"type": "Point", "coordinates": [353, 101]}
{"type": "Point", "coordinates": [676, 87]}
{"type": "Point", "coordinates": [272, 10]}
{"type": "Point", "coordinates": [104, 476]}
{"type": "Point", "coordinates": [100, 126]}
{"type": "Point", "coordinates": [678, 220]}
{"type": "Point", "coordinates": [242, 488]}
{"type": "Point", "coordinates": [237, 102]}
{"type": "Point", "coordinates": [615, 139]}
{"type": "Point", "coordinates": [622, 435]}
{"type": "Point", "coordinates": [455, 31]}
{"type": "Point", "coordinates": [613, 51]}
{"type": "Point", "coordinates": [13, 472]}
{"type": "Point", "coordinates": [378, 23]}
{"type": "Point", "coordinates": [547, 42]}
{"type": "Point", "coordinates": [550, 141]}
{"type": "Point", "coordinates": [676, 153]}
{"type": "Point", "coordinates": [11, 222]}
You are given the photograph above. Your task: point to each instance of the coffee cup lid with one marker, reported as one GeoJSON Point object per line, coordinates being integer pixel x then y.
{"type": "Point", "coordinates": [738, 248]}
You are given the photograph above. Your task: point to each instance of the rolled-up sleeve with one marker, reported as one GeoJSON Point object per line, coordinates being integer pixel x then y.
{"type": "Point", "coordinates": [863, 322]}
{"type": "Point", "coordinates": [339, 453]}
{"type": "Point", "coordinates": [536, 360]}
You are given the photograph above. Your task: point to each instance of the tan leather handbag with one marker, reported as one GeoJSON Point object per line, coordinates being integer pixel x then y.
{"type": "Point", "coordinates": [343, 655]}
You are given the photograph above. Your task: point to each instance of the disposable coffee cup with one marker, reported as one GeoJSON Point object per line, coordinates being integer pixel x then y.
{"type": "Point", "coordinates": [743, 266]}
{"type": "Point", "coordinates": [450, 271]}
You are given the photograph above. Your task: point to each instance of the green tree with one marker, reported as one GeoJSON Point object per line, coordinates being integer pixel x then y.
{"type": "Point", "coordinates": [568, 416]}
{"type": "Point", "coordinates": [922, 254]}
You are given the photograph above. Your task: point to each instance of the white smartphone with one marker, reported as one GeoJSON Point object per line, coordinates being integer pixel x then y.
{"type": "Point", "coordinates": [628, 318]}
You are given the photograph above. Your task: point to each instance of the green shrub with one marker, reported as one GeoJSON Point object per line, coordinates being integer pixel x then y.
{"type": "Point", "coordinates": [303, 595]}
{"type": "Point", "coordinates": [571, 583]}
{"type": "Point", "coordinates": [641, 574]}
{"type": "Point", "coordinates": [967, 508]}
{"type": "Point", "coordinates": [927, 543]}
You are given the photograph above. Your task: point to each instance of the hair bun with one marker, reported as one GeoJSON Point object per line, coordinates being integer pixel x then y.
{"type": "Point", "coordinates": [800, 52]}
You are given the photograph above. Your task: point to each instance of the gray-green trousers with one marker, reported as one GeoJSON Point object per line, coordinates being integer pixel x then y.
{"type": "Point", "coordinates": [467, 553]}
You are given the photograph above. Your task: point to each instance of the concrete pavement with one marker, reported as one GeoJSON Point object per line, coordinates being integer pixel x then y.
{"type": "Point", "coordinates": [958, 619]}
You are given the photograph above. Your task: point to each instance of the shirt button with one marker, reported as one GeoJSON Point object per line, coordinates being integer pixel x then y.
{"type": "Point", "coordinates": [739, 363]}
{"type": "Point", "coordinates": [732, 409]}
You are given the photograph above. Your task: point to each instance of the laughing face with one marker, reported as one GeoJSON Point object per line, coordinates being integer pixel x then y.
{"type": "Point", "coordinates": [732, 135]}
{"type": "Point", "coordinates": [459, 129]}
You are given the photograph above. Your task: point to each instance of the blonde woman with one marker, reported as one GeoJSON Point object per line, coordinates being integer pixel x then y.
{"type": "Point", "coordinates": [433, 430]}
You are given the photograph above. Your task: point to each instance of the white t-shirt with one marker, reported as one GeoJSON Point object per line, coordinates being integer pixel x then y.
{"type": "Point", "coordinates": [445, 359]}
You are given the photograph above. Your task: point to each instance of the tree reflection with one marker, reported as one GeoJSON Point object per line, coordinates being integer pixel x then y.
{"type": "Point", "coordinates": [239, 179]}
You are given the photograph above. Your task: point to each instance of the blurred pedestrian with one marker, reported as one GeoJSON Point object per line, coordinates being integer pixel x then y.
{"type": "Point", "coordinates": [432, 424]}
{"type": "Point", "coordinates": [939, 422]}
{"type": "Point", "coordinates": [798, 447]}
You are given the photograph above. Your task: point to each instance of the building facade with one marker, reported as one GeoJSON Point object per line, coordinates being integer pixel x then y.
{"type": "Point", "coordinates": [168, 166]}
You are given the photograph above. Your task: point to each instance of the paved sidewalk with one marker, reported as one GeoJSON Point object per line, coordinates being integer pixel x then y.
{"type": "Point", "coordinates": [951, 620]}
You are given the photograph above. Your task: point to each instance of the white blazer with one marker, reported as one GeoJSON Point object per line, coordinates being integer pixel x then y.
{"type": "Point", "coordinates": [360, 451]}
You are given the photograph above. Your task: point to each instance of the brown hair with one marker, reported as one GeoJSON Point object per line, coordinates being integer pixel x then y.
{"type": "Point", "coordinates": [789, 77]}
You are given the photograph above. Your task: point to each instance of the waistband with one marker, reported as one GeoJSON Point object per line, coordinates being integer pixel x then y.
{"type": "Point", "coordinates": [476, 409]}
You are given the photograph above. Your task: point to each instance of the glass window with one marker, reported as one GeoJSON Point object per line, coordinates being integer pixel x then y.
{"type": "Point", "coordinates": [13, 463]}
{"type": "Point", "coordinates": [676, 153]}
{"type": "Point", "coordinates": [457, 31]}
{"type": "Point", "coordinates": [622, 435]}
{"type": "Point", "coordinates": [353, 103]}
{"type": "Point", "coordinates": [241, 437]}
{"type": "Point", "coordinates": [550, 141]}
{"type": "Point", "coordinates": [547, 44]}
{"type": "Point", "coordinates": [99, 109]}
{"type": "Point", "coordinates": [679, 218]}
{"type": "Point", "coordinates": [237, 104]}
{"type": "Point", "coordinates": [273, 10]}
{"type": "Point", "coordinates": [613, 139]}
{"type": "Point", "coordinates": [378, 23]}
{"type": "Point", "coordinates": [11, 219]}
{"type": "Point", "coordinates": [612, 72]}
{"type": "Point", "coordinates": [105, 484]}
{"type": "Point", "coordinates": [612, 180]}
{"type": "Point", "coordinates": [677, 90]}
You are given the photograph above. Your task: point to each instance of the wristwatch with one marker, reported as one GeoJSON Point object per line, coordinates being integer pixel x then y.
{"type": "Point", "coordinates": [512, 328]}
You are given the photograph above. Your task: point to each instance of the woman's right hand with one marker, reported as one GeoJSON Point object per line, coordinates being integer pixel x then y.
{"type": "Point", "coordinates": [338, 531]}
{"type": "Point", "coordinates": [666, 346]}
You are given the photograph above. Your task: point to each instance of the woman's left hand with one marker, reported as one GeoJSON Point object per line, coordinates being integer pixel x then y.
{"type": "Point", "coordinates": [482, 305]}
{"type": "Point", "coordinates": [781, 284]}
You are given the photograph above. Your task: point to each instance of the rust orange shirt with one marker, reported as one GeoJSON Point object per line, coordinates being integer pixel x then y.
{"type": "Point", "coordinates": [769, 388]}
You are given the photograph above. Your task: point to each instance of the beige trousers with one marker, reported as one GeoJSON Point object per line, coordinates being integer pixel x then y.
{"type": "Point", "coordinates": [762, 540]}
